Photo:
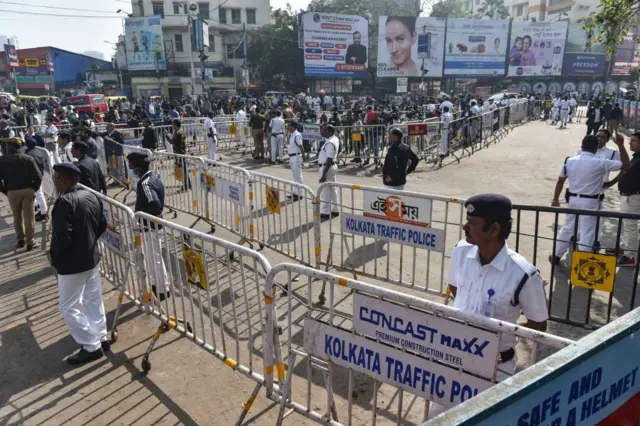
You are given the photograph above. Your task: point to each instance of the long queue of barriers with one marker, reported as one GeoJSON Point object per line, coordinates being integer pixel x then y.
{"type": "Point", "coordinates": [318, 344]}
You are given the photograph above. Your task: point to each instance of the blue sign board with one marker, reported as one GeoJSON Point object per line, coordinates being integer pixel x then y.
{"type": "Point", "coordinates": [584, 64]}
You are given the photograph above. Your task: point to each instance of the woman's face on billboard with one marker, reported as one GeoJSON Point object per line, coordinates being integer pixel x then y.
{"type": "Point", "coordinates": [399, 41]}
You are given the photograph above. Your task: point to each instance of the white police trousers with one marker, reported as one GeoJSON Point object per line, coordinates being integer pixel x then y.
{"type": "Point", "coordinates": [296, 171]}
{"type": "Point", "coordinates": [586, 226]}
{"type": "Point", "coordinates": [80, 300]}
{"type": "Point", "coordinates": [329, 196]}
{"type": "Point", "coordinates": [212, 149]}
{"type": "Point", "coordinates": [277, 147]}
{"type": "Point", "coordinates": [41, 200]}
{"type": "Point", "coordinates": [153, 260]}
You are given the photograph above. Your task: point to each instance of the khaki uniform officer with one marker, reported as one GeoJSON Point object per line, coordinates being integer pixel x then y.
{"type": "Point", "coordinates": [487, 278]}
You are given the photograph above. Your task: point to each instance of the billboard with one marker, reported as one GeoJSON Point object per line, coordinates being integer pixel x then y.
{"type": "Point", "coordinates": [11, 54]}
{"type": "Point", "coordinates": [627, 55]}
{"type": "Point", "coordinates": [410, 46]}
{"type": "Point", "coordinates": [584, 56]}
{"type": "Point", "coordinates": [475, 48]}
{"type": "Point", "coordinates": [537, 48]}
{"type": "Point", "coordinates": [144, 43]}
{"type": "Point", "coordinates": [335, 45]}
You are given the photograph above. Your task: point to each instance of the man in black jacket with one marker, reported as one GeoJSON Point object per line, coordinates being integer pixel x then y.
{"type": "Point", "coordinates": [78, 220]}
{"type": "Point", "coordinates": [399, 162]}
{"type": "Point", "coordinates": [149, 138]}
{"type": "Point", "coordinates": [90, 174]}
{"type": "Point", "coordinates": [595, 117]}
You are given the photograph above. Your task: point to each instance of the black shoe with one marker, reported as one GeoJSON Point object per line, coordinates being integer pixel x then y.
{"type": "Point", "coordinates": [272, 162]}
{"type": "Point", "coordinates": [365, 162]}
{"type": "Point", "coordinates": [355, 160]}
{"type": "Point", "coordinates": [293, 197]}
{"type": "Point", "coordinates": [106, 346]}
{"type": "Point", "coordinates": [21, 243]}
{"type": "Point", "coordinates": [325, 216]}
{"type": "Point", "coordinates": [32, 246]}
{"type": "Point", "coordinates": [82, 357]}
{"type": "Point", "coordinates": [554, 260]}
{"type": "Point", "coordinates": [335, 214]}
{"type": "Point", "coordinates": [279, 161]}
{"type": "Point", "coordinates": [162, 296]}
{"type": "Point", "coordinates": [41, 217]}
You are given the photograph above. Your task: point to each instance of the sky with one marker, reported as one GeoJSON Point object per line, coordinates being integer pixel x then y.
{"type": "Point", "coordinates": [84, 25]}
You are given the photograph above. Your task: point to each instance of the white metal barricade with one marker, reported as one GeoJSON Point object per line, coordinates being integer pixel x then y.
{"type": "Point", "coordinates": [364, 143]}
{"type": "Point", "coordinates": [115, 155]}
{"type": "Point", "coordinates": [283, 217]}
{"type": "Point", "coordinates": [399, 237]}
{"type": "Point", "coordinates": [375, 355]}
{"type": "Point", "coordinates": [216, 298]}
{"type": "Point", "coordinates": [234, 135]}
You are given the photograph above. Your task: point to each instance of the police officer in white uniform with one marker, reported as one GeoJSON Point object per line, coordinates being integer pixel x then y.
{"type": "Point", "coordinates": [296, 152]}
{"type": "Point", "coordinates": [573, 104]}
{"type": "Point", "coordinates": [586, 173]}
{"type": "Point", "coordinates": [212, 136]}
{"type": "Point", "coordinates": [277, 139]}
{"type": "Point", "coordinates": [241, 120]}
{"type": "Point", "coordinates": [446, 119]}
{"type": "Point", "coordinates": [564, 112]}
{"type": "Point", "coordinates": [555, 109]}
{"type": "Point", "coordinates": [487, 278]}
{"type": "Point", "coordinates": [50, 136]}
{"type": "Point", "coordinates": [64, 140]}
{"type": "Point", "coordinates": [327, 160]}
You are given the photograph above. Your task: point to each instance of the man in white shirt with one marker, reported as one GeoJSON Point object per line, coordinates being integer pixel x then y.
{"type": "Point", "coordinates": [241, 120]}
{"type": "Point", "coordinates": [446, 119]}
{"type": "Point", "coordinates": [212, 136]}
{"type": "Point", "coordinates": [327, 161]}
{"type": "Point", "coordinates": [50, 136]}
{"type": "Point", "coordinates": [296, 152]}
{"type": "Point", "coordinates": [152, 111]}
{"type": "Point", "coordinates": [64, 140]}
{"type": "Point", "coordinates": [277, 139]}
{"type": "Point", "coordinates": [328, 102]}
{"type": "Point", "coordinates": [573, 104]}
{"type": "Point", "coordinates": [564, 112]}
{"type": "Point", "coordinates": [555, 109]}
{"type": "Point", "coordinates": [586, 173]}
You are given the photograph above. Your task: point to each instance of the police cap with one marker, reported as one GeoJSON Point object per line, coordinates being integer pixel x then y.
{"type": "Point", "coordinates": [138, 159]}
{"type": "Point", "coordinates": [64, 135]}
{"type": "Point", "coordinates": [15, 141]}
{"type": "Point", "coordinates": [66, 169]}
{"type": "Point", "coordinates": [81, 146]}
{"type": "Point", "coordinates": [489, 206]}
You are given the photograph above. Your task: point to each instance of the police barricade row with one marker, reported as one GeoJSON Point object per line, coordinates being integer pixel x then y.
{"type": "Point", "coordinates": [399, 237]}
{"type": "Point", "coordinates": [283, 218]}
{"type": "Point", "coordinates": [236, 135]}
{"type": "Point", "coordinates": [592, 382]}
{"type": "Point", "coordinates": [377, 355]}
{"type": "Point", "coordinates": [115, 157]}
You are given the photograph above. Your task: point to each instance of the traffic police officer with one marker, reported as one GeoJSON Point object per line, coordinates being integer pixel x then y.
{"type": "Point", "coordinates": [487, 278]}
{"type": "Point", "coordinates": [212, 136]}
{"type": "Point", "coordinates": [150, 200]}
{"type": "Point", "coordinates": [586, 173]}
{"type": "Point", "coordinates": [447, 119]}
{"type": "Point", "coordinates": [64, 141]}
{"type": "Point", "coordinates": [90, 174]}
{"type": "Point", "coordinates": [296, 152]}
{"type": "Point", "coordinates": [327, 160]}
{"type": "Point", "coordinates": [277, 139]}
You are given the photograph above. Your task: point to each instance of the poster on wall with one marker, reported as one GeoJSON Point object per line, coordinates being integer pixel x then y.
{"type": "Point", "coordinates": [627, 54]}
{"type": "Point", "coordinates": [144, 43]}
{"type": "Point", "coordinates": [584, 56]}
{"type": "Point", "coordinates": [536, 48]}
{"type": "Point", "coordinates": [410, 46]}
{"type": "Point", "coordinates": [335, 45]}
{"type": "Point", "coordinates": [475, 48]}
{"type": "Point", "coordinates": [11, 55]}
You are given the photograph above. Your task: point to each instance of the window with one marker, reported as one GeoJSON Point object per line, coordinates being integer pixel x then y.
{"type": "Point", "coordinates": [222, 15]}
{"type": "Point", "coordinates": [176, 8]}
{"type": "Point", "coordinates": [203, 8]}
{"type": "Point", "coordinates": [251, 16]}
{"type": "Point", "coordinates": [520, 10]}
{"type": "Point", "coordinates": [186, 9]}
{"type": "Point", "coordinates": [158, 9]}
{"type": "Point", "coordinates": [235, 16]}
{"type": "Point", "coordinates": [212, 43]}
{"type": "Point", "coordinates": [179, 43]}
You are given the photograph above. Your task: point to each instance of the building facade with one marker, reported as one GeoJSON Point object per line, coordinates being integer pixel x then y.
{"type": "Point", "coordinates": [227, 21]}
{"type": "Point", "coordinates": [541, 10]}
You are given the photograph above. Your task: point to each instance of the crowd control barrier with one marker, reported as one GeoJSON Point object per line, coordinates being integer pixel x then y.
{"type": "Point", "coordinates": [115, 156]}
{"type": "Point", "coordinates": [375, 354]}
{"type": "Point", "coordinates": [592, 382]}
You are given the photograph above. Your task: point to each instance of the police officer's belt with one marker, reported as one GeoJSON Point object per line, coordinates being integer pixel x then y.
{"type": "Point", "coordinates": [294, 154]}
{"type": "Point", "coordinates": [276, 134]}
{"type": "Point", "coordinates": [506, 356]}
{"type": "Point", "coordinates": [593, 197]}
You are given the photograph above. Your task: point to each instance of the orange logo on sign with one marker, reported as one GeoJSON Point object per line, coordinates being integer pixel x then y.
{"type": "Point", "coordinates": [395, 209]}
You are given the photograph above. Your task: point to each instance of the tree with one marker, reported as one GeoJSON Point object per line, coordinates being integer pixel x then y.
{"type": "Point", "coordinates": [492, 9]}
{"type": "Point", "coordinates": [613, 20]}
{"type": "Point", "coordinates": [449, 9]}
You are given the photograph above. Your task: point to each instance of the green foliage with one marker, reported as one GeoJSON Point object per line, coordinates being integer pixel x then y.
{"type": "Point", "coordinates": [449, 9]}
{"type": "Point", "coordinates": [612, 20]}
{"type": "Point", "coordinates": [492, 9]}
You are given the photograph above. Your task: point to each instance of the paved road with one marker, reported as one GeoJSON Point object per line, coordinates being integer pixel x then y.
{"type": "Point", "coordinates": [187, 385]}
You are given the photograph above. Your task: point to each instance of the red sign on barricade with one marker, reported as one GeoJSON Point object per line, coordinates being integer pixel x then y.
{"type": "Point", "coordinates": [420, 129]}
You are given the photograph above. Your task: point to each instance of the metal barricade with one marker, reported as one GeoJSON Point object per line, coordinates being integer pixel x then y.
{"type": "Point", "coordinates": [360, 143]}
{"type": "Point", "coordinates": [236, 135]}
{"type": "Point", "coordinates": [355, 361]}
{"type": "Point", "coordinates": [283, 217]}
{"type": "Point", "coordinates": [116, 163]}
{"type": "Point", "coordinates": [366, 240]}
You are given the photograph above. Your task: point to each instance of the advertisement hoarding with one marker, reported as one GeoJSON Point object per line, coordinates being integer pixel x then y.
{"type": "Point", "coordinates": [144, 43]}
{"type": "Point", "coordinates": [410, 46]}
{"type": "Point", "coordinates": [584, 56]}
{"type": "Point", "coordinates": [11, 55]}
{"type": "Point", "coordinates": [627, 54]}
{"type": "Point", "coordinates": [537, 48]}
{"type": "Point", "coordinates": [475, 48]}
{"type": "Point", "coordinates": [335, 45]}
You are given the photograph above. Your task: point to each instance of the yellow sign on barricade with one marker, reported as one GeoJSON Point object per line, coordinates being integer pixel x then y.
{"type": "Point", "coordinates": [178, 173]}
{"type": "Point", "coordinates": [593, 271]}
{"type": "Point", "coordinates": [195, 268]}
{"type": "Point", "coordinates": [356, 137]}
{"type": "Point", "coordinates": [210, 181]}
{"type": "Point", "coordinates": [233, 129]}
{"type": "Point", "coordinates": [273, 199]}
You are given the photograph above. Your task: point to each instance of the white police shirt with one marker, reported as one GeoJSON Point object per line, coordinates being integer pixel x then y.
{"type": "Point", "coordinates": [488, 290]}
{"type": "Point", "coordinates": [208, 124]}
{"type": "Point", "coordinates": [587, 172]}
{"type": "Point", "coordinates": [607, 153]}
{"type": "Point", "coordinates": [67, 156]}
{"type": "Point", "coordinates": [277, 126]}
{"type": "Point", "coordinates": [329, 150]}
{"type": "Point", "coordinates": [295, 142]}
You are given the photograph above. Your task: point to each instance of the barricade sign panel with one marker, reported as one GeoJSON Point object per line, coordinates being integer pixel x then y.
{"type": "Point", "coordinates": [273, 200]}
{"type": "Point", "coordinates": [404, 209]}
{"type": "Point", "coordinates": [111, 236]}
{"type": "Point", "coordinates": [194, 267]}
{"type": "Point", "coordinates": [593, 271]}
{"type": "Point", "coordinates": [428, 335]}
{"type": "Point", "coordinates": [419, 376]}
{"type": "Point", "coordinates": [426, 238]}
